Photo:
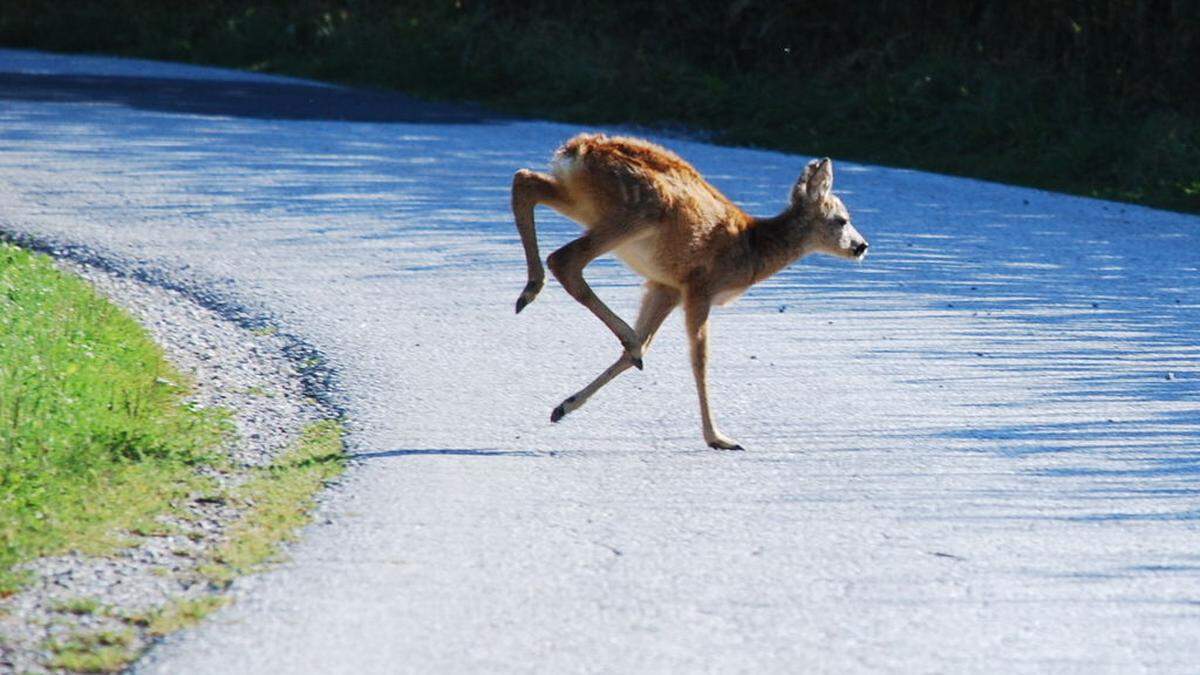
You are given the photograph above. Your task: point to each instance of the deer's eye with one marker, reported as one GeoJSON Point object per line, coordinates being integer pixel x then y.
{"type": "Point", "coordinates": [840, 221]}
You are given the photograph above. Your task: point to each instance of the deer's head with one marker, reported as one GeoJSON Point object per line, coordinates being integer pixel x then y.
{"type": "Point", "coordinates": [824, 214]}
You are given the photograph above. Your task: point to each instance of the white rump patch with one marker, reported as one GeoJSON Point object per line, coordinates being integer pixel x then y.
{"type": "Point", "coordinates": [563, 166]}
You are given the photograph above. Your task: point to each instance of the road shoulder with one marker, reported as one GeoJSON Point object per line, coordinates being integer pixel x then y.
{"type": "Point", "coordinates": [100, 612]}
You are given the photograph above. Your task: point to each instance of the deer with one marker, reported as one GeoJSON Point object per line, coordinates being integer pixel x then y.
{"type": "Point", "coordinates": [693, 246]}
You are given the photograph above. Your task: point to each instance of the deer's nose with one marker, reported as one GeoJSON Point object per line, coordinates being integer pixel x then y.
{"type": "Point", "coordinates": [860, 249]}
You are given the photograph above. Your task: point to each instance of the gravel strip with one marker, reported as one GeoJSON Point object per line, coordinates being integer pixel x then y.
{"type": "Point", "coordinates": [258, 375]}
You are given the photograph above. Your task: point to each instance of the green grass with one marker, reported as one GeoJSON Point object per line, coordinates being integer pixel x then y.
{"type": "Point", "coordinates": [78, 606]}
{"type": "Point", "coordinates": [105, 651]}
{"type": "Point", "coordinates": [94, 440]}
{"type": "Point", "coordinates": [277, 501]}
{"type": "Point", "coordinates": [182, 614]}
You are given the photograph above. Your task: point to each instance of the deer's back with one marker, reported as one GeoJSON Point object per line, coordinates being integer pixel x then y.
{"type": "Point", "coordinates": [635, 175]}
{"type": "Point", "coordinates": [616, 180]}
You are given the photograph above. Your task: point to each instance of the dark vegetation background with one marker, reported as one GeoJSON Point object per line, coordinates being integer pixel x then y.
{"type": "Point", "coordinates": [1099, 98]}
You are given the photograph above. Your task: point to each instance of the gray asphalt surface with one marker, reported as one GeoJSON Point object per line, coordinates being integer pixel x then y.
{"type": "Point", "coordinates": [976, 451]}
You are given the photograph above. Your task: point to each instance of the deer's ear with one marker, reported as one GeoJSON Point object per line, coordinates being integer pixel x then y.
{"type": "Point", "coordinates": [820, 182]}
{"type": "Point", "coordinates": [800, 189]}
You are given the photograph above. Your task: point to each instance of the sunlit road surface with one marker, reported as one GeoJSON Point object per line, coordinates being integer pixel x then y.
{"type": "Point", "coordinates": [975, 451]}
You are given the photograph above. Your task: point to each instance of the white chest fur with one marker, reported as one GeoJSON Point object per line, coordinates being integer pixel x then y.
{"type": "Point", "coordinates": [641, 255]}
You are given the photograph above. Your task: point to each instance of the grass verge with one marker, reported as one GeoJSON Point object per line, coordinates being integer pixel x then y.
{"type": "Point", "coordinates": [104, 651]}
{"type": "Point", "coordinates": [96, 443]}
{"type": "Point", "coordinates": [277, 501]}
{"type": "Point", "coordinates": [94, 438]}
{"type": "Point", "coordinates": [181, 614]}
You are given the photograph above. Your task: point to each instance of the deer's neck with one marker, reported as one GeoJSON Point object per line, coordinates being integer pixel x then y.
{"type": "Point", "coordinates": [776, 242]}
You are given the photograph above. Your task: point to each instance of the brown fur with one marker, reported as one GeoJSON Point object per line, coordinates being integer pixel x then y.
{"type": "Point", "coordinates": [694, 246]}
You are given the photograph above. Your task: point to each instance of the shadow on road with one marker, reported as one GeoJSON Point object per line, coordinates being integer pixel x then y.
{"type": "Point", "coordinates": [238, 98]}
{"type": "Point", "coordinates": [455, 452]}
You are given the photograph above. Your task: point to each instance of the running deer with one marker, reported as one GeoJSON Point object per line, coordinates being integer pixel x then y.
{"type": "Point", "coordinates": [693, 246]}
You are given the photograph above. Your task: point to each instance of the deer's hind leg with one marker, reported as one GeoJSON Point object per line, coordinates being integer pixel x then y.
{"type": "Point", "coordinates": [657, 304]}
{"type": "Point", "coordinates": [529, 189]}
{"type": "Point", "coordinates": [567, 264]}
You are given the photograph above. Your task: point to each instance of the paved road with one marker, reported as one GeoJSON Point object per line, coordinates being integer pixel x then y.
{"type": "Point", "coordinates": [975, 451]}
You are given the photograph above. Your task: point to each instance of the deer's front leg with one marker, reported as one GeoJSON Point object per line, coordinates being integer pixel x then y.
{"type": "Point", "coordinates": [696, 308]}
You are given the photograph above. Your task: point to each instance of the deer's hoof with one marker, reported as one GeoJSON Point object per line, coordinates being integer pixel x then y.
{"type": "Point", "coordinates": [722, 443]}
{"type": "Point", "coordinates": [637, 363]}
{"type": "Point", "coordinates": [557, 413]}
{"type": "Point", "coordinates": [527, 296]}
